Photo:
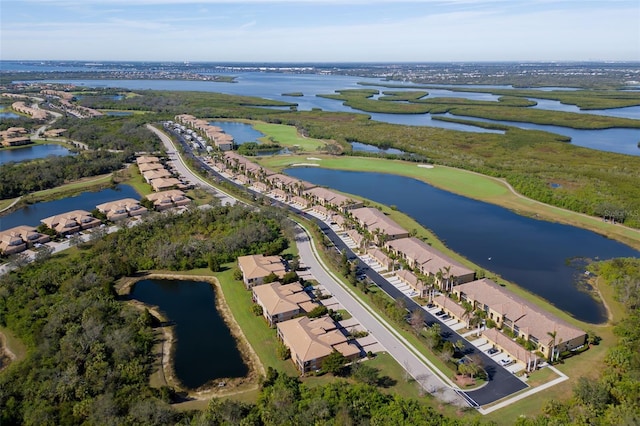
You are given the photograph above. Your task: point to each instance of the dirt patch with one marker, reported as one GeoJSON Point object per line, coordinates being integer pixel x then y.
{"type": "Point", "coordinates": [6, 355]}
{"type": "Point", "coordinates": [167, 376]}
{"type": "Point", "coordinates": [464, 381]}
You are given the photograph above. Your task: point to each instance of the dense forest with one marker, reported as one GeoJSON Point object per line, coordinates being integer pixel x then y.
{"type": "Point", "coordinates": [89, 354]}
{"type": "Point", "coordinates": [18, 179]}
{"type": "Point", "coordinates": [111, 132]}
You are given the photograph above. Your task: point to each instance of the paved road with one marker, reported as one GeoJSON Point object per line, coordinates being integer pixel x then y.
{"type": "Point", "coordinates": [184, 171]}
{"type": "Point", "coordinates": [376, 326]}
{"type": "Point", "coordinates": [501, 382]}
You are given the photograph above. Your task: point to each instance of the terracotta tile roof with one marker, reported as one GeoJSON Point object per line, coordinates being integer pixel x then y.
{"type": "Point", "coordinates": [279, 299]}
{"type": "Point", "coordinates": [327, 196]}
{"type": "Point", "coordinates": [426, 257]}
{"type": "Point", "coordinates": [257, 266]}
{"type": "Point", "coordinates": [314, 339]}
{"type": "Point", "coordinates": [373, 219]}
{"type": "Point", "coordinates": [509, 345]}
{"type": "Point", "coordinates": [446, 303]}
{"type": "Point", "coordinates": [528, 317]}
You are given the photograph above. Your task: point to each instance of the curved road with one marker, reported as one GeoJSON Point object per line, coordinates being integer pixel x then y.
{"type": "Point", "coordinates": [501, 382]}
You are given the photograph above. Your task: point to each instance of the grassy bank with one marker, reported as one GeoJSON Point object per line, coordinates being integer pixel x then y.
{"type": "Point", "coordinates": [468, 184]}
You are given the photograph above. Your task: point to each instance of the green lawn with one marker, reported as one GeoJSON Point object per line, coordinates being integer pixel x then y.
{"type": "Point", "coordinates": [81, 185]}
{"type": "Point", "coordinates": [287, 136]}
{"type": "Point", "coordinates": [465, 183]}
{"type": "Point", "coordinates": [260, 336]}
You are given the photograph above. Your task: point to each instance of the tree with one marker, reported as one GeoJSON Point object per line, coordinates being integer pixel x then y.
{"type": "Point", "coordinates": [271, 278]}
{"type": "Point", "coordinates": [334, 363]}
{"type": "Point", "coordinates": [364, 373]}
{"type": "Point", "coordinates": [19, 260]}
{"type": "Point", "coordinates": [416, 320]}
{"type": "Point", "coordinates": [283, 351]}
{"type": "Point", "coordinates": [318, 311]}
{"type": "Point", "coordinates": [552, 343]}
{"type": "Point", "coordinates": [43, 254]}
{"type": "Point", "coordinates": [256, 309]}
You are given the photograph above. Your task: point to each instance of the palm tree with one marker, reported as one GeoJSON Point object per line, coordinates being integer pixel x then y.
{"type": "Point", "coordinates": [552, 343]}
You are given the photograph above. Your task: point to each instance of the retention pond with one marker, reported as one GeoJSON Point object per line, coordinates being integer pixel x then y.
{"type": "Point", "coordinates": [205, 349]}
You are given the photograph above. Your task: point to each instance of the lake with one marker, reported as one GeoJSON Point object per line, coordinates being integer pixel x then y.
{"type": "Point", "coordinates": [205, 349]}
{"type": "Point", "coordinates": [32, 152]}
{"type": "Point", "coordinates": [273, 85]}
{"type": "Point", "coordinates": [241, 132]}
{"type": "Point", "coordinates": [543, 257]}
{"type": "Point", "coordinates": [33, 213]}
{"type": "Point", "coordinates": [622, 141]}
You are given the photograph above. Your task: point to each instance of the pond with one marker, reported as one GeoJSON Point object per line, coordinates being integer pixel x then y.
{"type": "Point", "coordinates": [4, 114]}
{"type": "Point", "coordinates": [33, 213]}
{"type": "Point", "coordinates": [32, 152]}
{"type": "Point", "coordinates": [205, 349]}
{"type": "Point", "coordinates": [365, 147]}
{"type": "Point", "coordinates": [543, 257]}
{"type": "Point", "coordinates": [241, 132]}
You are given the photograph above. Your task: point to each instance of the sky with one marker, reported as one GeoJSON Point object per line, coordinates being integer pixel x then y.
{"type": "Point", "coordinates": [320, 30]}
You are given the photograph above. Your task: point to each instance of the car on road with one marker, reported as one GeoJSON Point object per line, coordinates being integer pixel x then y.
{"type": "Point", "coordinates": [492, 351]}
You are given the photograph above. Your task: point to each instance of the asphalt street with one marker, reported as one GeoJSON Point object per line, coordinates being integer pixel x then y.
{"type": "Point", "coordinates": [501, 383]}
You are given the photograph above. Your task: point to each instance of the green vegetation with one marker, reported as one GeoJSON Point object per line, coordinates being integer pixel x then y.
{"type": "Point", "coordinates": [285, 401]}
{"type": "Point", "coordinates": [288, 136]}
{"type": "Point", "coordinates": [612, 398]}
{"type": "Point", "coordinates": [262, 339]}
{"type": "Point", "coordinates": [584, 99]}
{"type": "Point", "coordinates": [18, 179]}
{"type": "Point", "coordinates": [508, 108]}
{"type": "Point", "coordinates": [126, 133]}
{"type": "Point", "coordinates": [294, 94]}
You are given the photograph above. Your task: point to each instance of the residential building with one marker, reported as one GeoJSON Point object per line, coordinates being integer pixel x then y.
{"type": "Point", "coordinates": [412, 281]}
{"type": "Point", "coordinates": [379, 256]}
{"type": "Point", "coordinates": [146, 167]}
{"type": "Point", "coordinates": [311, 341]}
{"type": "Point", "coordinates": [258, 266]}
{"type": "Point", "coordinates": [282, 302]}
{"type": "Point", "coordinates": [160, 173]}
{"type": "Point", "coordinates": [167, 199]}
{"type": "Point", "coordinates": [120, 209]}
{"type": "Point", "coordinates": [381, 227]}
{"type": "Point", "coordinates": [331, 199]}
{"type": "Point", "coordinates": [423, 258]}
{"type": "Point", "coordinates": [162, 184]}
{"type": "Point", "coordinates": [524, 319]}
{"type": "Point", "coordinates": [71, 222]}
{"type": "Point", "coordinates": [506, 344]}
{"type": "Point", "coordinates": [143, 159]}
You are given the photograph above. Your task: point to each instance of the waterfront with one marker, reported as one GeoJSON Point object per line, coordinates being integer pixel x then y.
{"type": "Point", "coordinates": [33, 213]}
{"type": "Point", "coordinates": [542, 257]}
{"type": "Point", "coordinates": [241, 132]}
{"type": "Point", "coordinates": [32, 152]}
{"type": "Point", "coordinates": [275, 85]}
{"type": "Point", "coordinates": [205, 349]}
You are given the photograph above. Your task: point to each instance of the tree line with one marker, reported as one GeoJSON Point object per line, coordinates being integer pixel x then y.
{"type": "Point", "coordinates": [18, 179]}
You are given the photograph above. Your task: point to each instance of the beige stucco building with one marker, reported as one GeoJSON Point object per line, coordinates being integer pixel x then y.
{"type": "Point", "coordinates": [311, 341]}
